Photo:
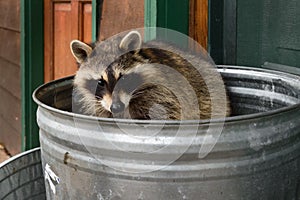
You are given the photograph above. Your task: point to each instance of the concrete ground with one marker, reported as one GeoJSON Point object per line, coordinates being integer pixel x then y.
{"type": "Point", "coordinates": [3, 154]}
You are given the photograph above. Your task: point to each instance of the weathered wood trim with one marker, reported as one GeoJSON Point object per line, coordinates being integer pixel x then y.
{"type": "Point", "coordinates": [198, 21]}
{"type": "Point", "coordinates": [32, 71]}
{"type": "Point", "coordinates": [230, 32]}
{"type": "Point", "coordinates": [215, 32]}
{"type": "Point", "coordinates": [173, 14]}
{"type": "Point", "coordinates": [48, 40]}
{"type": "Point", "coordinates": [169, 14]}
{"type": "Point", "coordinates": [96, 16]}
{"type": "Point", "coordinates": [150, 19]}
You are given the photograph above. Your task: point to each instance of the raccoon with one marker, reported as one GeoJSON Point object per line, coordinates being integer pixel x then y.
{"type": "Point", "coordinates": [128, 78]}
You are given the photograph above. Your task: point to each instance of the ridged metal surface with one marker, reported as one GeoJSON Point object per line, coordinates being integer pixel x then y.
{"type": "Point", "coordinates": [257, 155]}
{"type": "Point", "coordinates": [21, 177]}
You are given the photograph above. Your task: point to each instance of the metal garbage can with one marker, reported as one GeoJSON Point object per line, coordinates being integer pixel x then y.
{"type": "Point", "coordinates": [257, 155]}
{"type": "Point", "coordinates": [21, 177]}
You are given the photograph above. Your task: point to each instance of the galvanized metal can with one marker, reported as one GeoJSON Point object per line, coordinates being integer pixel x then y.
{"type": "Point", "coordinates": [21, 177]}
{"type": "Point", "coordinates": [257, 155]}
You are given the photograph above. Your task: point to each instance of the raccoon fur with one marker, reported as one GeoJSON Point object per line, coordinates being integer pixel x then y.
{"type": "Point", "coordinates": [128, 78]}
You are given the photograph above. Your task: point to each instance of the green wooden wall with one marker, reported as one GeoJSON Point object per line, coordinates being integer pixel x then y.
{"type": "Point", "coordinates": [268, 31]}
{"type": "Point", "coordinates": [32, 67]}
{"type": "Point", "coordinates": [170, 14]}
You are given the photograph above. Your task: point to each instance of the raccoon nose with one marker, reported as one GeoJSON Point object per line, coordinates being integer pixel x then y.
{"type": "Point", "coordinates": [117, 107]}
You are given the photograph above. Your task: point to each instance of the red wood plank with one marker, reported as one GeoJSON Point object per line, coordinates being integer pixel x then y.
{"type": "Point", "coordinates": [64, 63]}
{"type": "Point", "coordinates": [10, 14]}
{"type": "Point", "coordinates": [10, 78]}
{"type": "Point", "coordinates": [10, 46]}
{"type": "Point", "coordinates": [10, 137]}
{"type": "Point", "coordinates": [87, 23]}
{"type": "Point", "coordinates": [10, 110]}
{"type": "Point", "coordinates": [118, 16]}
{"type": "Point", "coordinates": [64, 21]}
{"type": "Point", "coordinates": [198, 25]}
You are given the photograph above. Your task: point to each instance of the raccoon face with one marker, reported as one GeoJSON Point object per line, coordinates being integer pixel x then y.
{"type": "Point", "coordinates": [104, 79]}
{"type": "Point", "coordinates": [113, 90]}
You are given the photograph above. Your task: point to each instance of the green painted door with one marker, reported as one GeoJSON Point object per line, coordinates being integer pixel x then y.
{"type": "Point", "coordinates": [268, 31]}
{"type": "Point", "coordinates": [169, 14]}
{"type": "Point", "coordinates": [32, 70]}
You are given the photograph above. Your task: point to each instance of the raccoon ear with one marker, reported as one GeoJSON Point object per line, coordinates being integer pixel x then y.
{"type": "Point", "coordinates": [131, 41]}
{"type": "Point", "coordinates": [80, 50]}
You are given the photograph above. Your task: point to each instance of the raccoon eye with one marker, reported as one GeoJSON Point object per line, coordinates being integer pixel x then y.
{"type": "Point", "coordinates": [101, 82]}
{"type": "Point", "coordinates": [120, 76]}
{"type": "Point", "coordinates": [130, 82]}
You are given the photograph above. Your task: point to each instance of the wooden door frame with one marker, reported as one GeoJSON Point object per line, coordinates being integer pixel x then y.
{"type": "Point", "coordinates": [222, 34]}
{"type": "Point", "coordinates": [32, 62]}
{"type": "Point", "coordinates": [76, 10]}
{"type": "Point", "coordinates": [198, 22]}
{"type": "Point", "coordinates": [32, 72]}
